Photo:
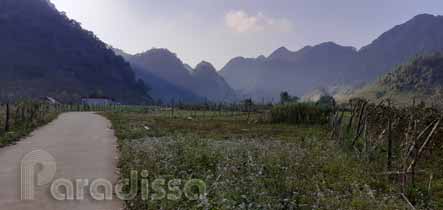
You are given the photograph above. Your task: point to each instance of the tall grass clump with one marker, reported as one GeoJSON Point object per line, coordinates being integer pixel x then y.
{"type": "Point", "coordinates": [300, 113]}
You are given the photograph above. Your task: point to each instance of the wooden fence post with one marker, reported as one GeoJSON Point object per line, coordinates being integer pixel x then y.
{"type": "Point", "coordinates": [353, 111]}
{"type": "Point", "coordinates": [7, 118]}
{"type": "Point", "coordinates": [172, 110]}
{"type": "Point", "coordinates": [360, 119]}
{"type": "Point", "coordinates": [389, 144]}
{"type": "Point", "coordinates": [390, 139]}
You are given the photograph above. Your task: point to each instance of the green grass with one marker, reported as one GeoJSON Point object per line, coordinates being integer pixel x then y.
{"type": "Point", "coordinates": [300, 113]}
{"type": "Point", "coordinates": [247, 165]}
{"type": "Point", "coordinates": [132, 126]}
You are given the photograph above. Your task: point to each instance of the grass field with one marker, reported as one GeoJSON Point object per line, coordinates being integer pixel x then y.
{"type": "Point", "coordinates": [246, 164]}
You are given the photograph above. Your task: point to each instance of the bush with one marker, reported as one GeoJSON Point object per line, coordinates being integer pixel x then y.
{"type": "Point", "coordinates": [300, 113]}
{"type": "Point", "coordinates": [327, 101]}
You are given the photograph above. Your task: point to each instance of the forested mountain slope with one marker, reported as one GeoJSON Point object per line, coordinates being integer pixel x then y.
{"type": "Point", "coordinates": [44, 53]}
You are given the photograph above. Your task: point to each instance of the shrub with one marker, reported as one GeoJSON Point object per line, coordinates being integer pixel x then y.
{"type": "Point", "coordinates": [300, 113]}
{"type": "Point", "coordinates": [327, 101]}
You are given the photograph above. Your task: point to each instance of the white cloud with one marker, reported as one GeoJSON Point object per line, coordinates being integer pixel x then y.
{"type": "Point", "coordinates": [240, 21]}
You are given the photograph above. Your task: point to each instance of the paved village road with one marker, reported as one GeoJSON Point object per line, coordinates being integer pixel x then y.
{"type": "Point", "coordinates": [83, 147]}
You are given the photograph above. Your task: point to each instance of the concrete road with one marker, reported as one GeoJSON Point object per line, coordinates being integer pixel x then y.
{"type": "Point", "coordinates": [83, 146]}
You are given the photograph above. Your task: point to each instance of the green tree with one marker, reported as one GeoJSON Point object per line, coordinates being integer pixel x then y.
{"type": "Point", "coordinates": [248, 102]}
{"type": "Point", "coordinates": [327, 101]}
{"type": "Point", "coordinates": [286, 98]}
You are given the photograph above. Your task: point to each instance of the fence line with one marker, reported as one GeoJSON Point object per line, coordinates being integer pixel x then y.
{"type": "Point", "coordinates": [407, 136]}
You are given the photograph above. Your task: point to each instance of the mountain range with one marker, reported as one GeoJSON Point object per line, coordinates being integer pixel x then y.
{"type": "Point", "coordinates": [158, 67]}
{"type": "Point", "coordinates": [44, 53]}
{"type": "Point", "coordinates": [329, 64]}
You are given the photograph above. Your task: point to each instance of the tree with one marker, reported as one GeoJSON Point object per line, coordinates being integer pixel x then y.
{"type": "Point", "coordinates": [286, 98]}
{"type": "Point", "coordinates": [248, 102]}
{"type": "Point", "coordinates": [327, 101]}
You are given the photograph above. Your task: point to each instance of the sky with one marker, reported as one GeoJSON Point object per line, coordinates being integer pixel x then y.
{"type": "Point", "coordinates": [219, 30]}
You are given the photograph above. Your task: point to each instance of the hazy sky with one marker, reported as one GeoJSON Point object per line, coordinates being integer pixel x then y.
{"type": "Point", "coordinates": [218, 30]}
